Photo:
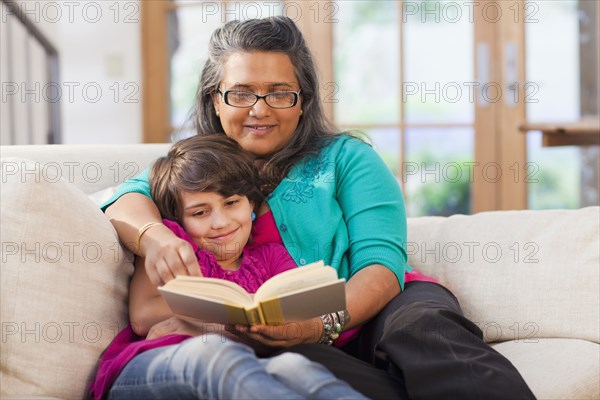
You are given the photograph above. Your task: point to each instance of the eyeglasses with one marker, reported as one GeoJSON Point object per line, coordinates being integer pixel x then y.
{"type": "Point", "coordinates": [245, 99]}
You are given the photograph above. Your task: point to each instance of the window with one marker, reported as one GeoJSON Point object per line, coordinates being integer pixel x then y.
{"type": "Point", "coordinates": [412, 100]}
{"type": "Point", "coordinates": [439, 87]}
{"type": "Point", "coordinates": [565, 91]}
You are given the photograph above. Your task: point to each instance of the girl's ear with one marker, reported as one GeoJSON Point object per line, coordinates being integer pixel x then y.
{"type": "Point", "coordinates": [254, 210]}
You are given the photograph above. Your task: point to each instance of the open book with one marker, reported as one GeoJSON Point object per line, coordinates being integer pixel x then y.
{"type": "Point", "coordinates": [294, 295]}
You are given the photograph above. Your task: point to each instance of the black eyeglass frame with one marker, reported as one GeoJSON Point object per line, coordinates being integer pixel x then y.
{"type": "Point", "coordinates": [225, 95]}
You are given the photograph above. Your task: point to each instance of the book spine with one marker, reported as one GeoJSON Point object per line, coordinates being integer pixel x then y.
{"type": "Point", "coordinates": [270, 310]}
{"type": "Point", "coordinates": [253, 316]}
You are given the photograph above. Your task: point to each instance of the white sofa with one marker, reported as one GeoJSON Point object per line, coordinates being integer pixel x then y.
{"type": "Point", "coordinates": [529, 279]}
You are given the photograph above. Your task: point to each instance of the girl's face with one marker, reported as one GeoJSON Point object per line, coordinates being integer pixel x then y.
{"type": "Point", "coordinates": [259, 129]}
{"type": "Point", "coordinates": [217, 224]}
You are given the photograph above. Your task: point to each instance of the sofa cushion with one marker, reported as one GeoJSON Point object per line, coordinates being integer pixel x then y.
{"type": "Point", "coordinates": [89, 167]}
{"type": "Point", "coordinates": [64, 282]}
{"type": "Point", "coordinates": [556, 368]}
{"type": "Point", "coordinates": [517, 274]}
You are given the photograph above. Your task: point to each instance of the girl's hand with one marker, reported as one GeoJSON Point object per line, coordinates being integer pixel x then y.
{"type": "Point", "coordinates": [285, 335]}
{"type": "Point", "coordinates": [167, 255]}
{"type": "Point", "coordinates": [180, 326]}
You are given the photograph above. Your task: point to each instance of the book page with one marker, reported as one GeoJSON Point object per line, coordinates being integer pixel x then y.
{"type": "Point", "coordinates": [296, 279]}
{"type": "Point", "coordinates": [207, 310]}
{"type": "Point", "coordinates": [209, 288]}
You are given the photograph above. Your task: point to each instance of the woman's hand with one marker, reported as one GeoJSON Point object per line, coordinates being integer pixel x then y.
{"type": "Point", "coordinates": [285, 335]}
{"type": "Point", "coordinates": [167, 255]}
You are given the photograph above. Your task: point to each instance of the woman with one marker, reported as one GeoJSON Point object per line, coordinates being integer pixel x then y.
{"type": "Point", "coordinates": [332, 198]}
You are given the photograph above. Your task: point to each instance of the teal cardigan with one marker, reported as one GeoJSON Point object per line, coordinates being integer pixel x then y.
{"type": "Point", "coordinates": [343, 207]}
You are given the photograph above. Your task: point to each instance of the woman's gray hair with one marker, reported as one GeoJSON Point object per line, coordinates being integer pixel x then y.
{"type": "Point", "coordinates": [277, 34]}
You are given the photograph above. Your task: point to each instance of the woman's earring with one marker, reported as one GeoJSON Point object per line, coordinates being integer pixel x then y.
{"type": "Point", "coordinates": [253, 216]}
{"type": "Point", "coordinates": [300, 111]}
{"type": "Point", "coordinates": [218, 115]}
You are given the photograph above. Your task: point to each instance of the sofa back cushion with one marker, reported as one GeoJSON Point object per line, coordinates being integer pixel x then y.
{"type": "Point", "coordinates": [89, 167]}
{"type": "Point", "coordinates": [64, 282]}
{"type": "Point", "coordinates": [519, 275]}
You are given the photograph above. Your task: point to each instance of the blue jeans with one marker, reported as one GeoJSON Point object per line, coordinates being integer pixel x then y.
{"type": "Point", "coordinates": [212, 367]}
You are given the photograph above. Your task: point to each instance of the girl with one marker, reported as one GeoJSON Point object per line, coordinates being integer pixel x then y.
{"type": "Point", "coordinates": [206, 188]}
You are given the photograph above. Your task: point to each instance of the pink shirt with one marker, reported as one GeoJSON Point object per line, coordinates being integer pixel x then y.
{"type": "Point", "coordinates": [262, 259]}
{"type": "Point", "coordinates": [259, 263]}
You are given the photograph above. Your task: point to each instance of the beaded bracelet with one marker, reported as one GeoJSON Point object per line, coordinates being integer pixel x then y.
{"type": "Point", "coordinates": [333, 325]}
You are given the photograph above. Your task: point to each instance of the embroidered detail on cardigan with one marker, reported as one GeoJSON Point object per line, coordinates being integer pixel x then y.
{"type": "Point", "coordinates": [303, 185]}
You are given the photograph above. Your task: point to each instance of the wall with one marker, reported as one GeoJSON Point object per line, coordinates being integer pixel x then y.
{"type": "Point", "coordinates": [100, 71]}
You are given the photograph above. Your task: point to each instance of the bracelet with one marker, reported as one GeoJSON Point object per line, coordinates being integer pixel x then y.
{"type": "Point", "coordinates": [327, 321]}
{"type": "Point", "coordinates": [333, 325]}
{"type": "Point", "coordinates": [141, 231]}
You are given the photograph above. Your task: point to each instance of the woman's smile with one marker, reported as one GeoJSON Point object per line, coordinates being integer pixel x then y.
{"type": "Point", "coordinates": [260, 130]}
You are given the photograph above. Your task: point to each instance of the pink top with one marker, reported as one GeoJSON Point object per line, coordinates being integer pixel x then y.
{"type": "Point", "coordinates": [259, 263]}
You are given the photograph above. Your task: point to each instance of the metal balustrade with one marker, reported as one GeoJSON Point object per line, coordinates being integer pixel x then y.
{"type": "Point", "coordinates": [28, 102]}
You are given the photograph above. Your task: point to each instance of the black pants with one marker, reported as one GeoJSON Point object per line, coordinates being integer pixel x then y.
{"type": "Point", "coordinates": [420, 346]}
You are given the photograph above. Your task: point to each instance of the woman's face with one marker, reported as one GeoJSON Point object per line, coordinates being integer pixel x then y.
{"type": "Point", "coordinates": [259, 129]}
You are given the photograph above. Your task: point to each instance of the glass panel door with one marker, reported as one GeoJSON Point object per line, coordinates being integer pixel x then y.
{"type": "Point", "coordinates": [405, 74]}
{"type": "Point", "coordinates": [562, 71]}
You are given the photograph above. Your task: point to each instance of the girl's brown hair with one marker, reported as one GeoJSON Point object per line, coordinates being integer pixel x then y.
{"type": "Point", "coordinates": [212, 163]}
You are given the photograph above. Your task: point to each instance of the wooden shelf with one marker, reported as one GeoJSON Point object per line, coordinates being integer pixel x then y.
{"type": "Point", "coordinates": [580, 133]}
